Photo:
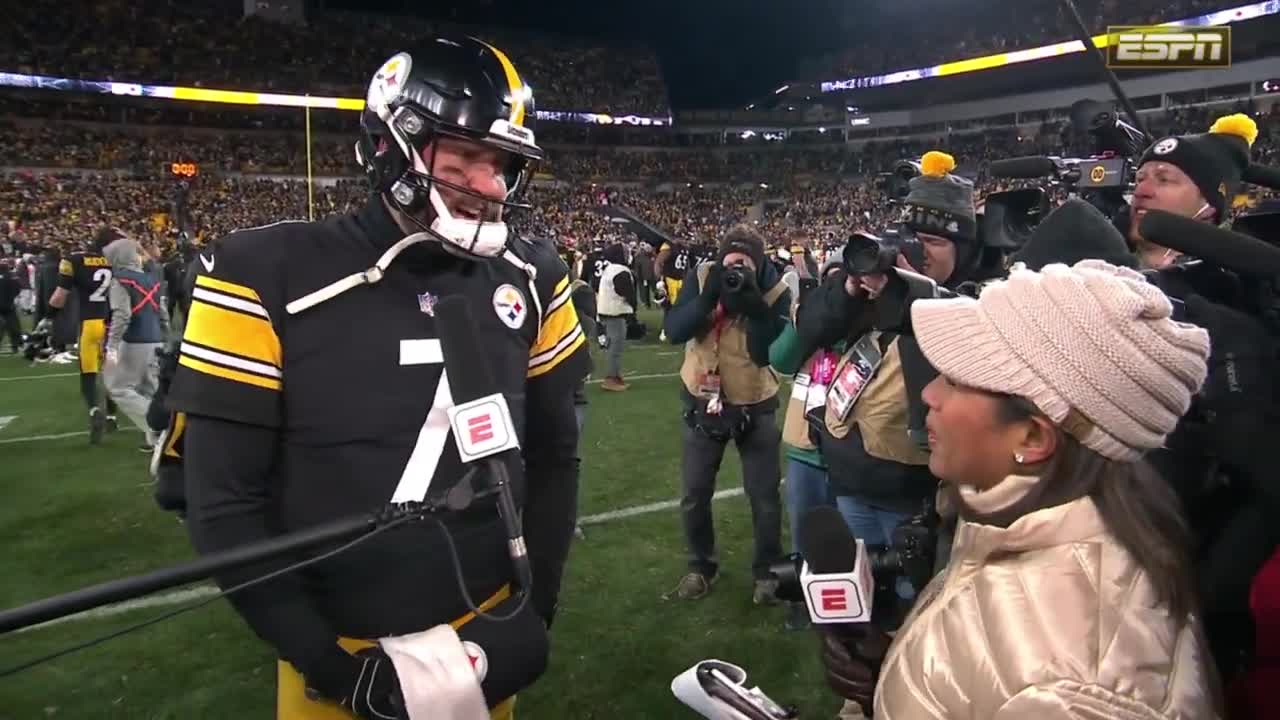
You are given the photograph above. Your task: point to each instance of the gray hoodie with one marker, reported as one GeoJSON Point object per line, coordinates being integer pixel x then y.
{"type": "Point", "coordinates": [125, 254]}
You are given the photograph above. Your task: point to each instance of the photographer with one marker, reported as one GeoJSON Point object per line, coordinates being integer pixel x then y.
{"type": "Point", "coordinates": [1192, 175]}
{"type": "Point", "coordinates": [729, 311]}
{"type": "Point", "coordinates": [877, 471]}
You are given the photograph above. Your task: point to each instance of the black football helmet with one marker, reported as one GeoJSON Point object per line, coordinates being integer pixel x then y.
{"type": "Point", "coordinates": [461, 88]}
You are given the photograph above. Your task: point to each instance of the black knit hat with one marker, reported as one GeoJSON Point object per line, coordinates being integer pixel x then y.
{"type": "Point", "coordinates": [1214, 160]}
{"type": "Point", "coordinates": [1073, 232]}
{"type": "Point", "coordinates": [940, 203]}
{"type": "Point", "coordinates": [746, 240]}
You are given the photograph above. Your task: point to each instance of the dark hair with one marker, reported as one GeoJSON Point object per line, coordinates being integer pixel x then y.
{"type": "Point", "coordinates": [1137, 505]}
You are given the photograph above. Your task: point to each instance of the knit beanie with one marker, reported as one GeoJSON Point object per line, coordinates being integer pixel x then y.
{"type": "Point", "coordinates": [1215, 161]}
{"type": "Point", "coordinates": [744, 239]}
{"type": "Point", "coordinates": [940, 203]}
{"type": "Point", "coordinates": [1093, 338]}
{"type": "Point", "coordinates": [1074, 231]}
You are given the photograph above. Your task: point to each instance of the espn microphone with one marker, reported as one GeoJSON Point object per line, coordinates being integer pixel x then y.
{"type": "Point", "coordinates": [1232, 250]}
{"type": "Point", "coordinates": [1023, 167]}
{"type": "Point", "coordinates": [836, 576]}
{"type": "Point", "coordinates": [480, 419]}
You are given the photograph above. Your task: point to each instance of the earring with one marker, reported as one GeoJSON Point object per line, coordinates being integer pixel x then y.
{"type": "Point", "coordinates": [1017, 457]}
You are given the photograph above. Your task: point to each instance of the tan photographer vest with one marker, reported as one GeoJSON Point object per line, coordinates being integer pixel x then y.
{"type": "Point", "coordinates": [723, 350]}
{"type": "Point", "coordinates": [880, 412]}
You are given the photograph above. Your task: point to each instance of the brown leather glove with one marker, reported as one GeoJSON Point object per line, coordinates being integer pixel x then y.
{"type": "Point", "coordinates": [851, 660]}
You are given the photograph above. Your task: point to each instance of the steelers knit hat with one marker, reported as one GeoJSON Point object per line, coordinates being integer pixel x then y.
{"type": "Point", "coordinates": [1093, 338]}
{"type": "Point", "coordinates": [1214, 161]}
{"type": "Point", "coordinates": [940, 203]}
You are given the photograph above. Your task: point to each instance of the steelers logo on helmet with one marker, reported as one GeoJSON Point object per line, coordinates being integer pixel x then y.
{"type": "Point", "coordinates": [388, 82]}
{"type": "Point", "coordinates": [479, 660]}
{"type": "Point", "coordinates": [448, 137]}
{"type": "Point", "coordinates": [1165, 146]}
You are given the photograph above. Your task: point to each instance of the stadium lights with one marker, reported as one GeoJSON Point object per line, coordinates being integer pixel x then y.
{"type": "Point", "coordinates": [241, 97]}
{"type": "Point", "coordinates": [987, 62]}
{"type": "Point", "coordinates": [782, 89]}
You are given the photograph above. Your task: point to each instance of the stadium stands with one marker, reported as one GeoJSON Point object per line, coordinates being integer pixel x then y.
{"type": "Point", "coordinates": [211, 45]}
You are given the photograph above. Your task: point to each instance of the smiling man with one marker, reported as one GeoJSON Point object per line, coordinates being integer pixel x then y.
{"type": "Point", "coordinates": [1193, 176]}
{"type": "Point", "coordinates": [312, 381]}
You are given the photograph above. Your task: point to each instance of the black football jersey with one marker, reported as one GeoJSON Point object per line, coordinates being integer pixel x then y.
{"type": "Point", "coordinates": [353, 386]}
{"type": "Point", "coordinates": [89, 275]}
{"type": "Point", "coordinates": [677, 262]}
{"type": "Point", "coordinates": [593, 267]}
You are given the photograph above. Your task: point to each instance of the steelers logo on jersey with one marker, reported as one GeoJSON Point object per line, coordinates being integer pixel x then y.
{"type": "Point", "coordinates": [509, 304]}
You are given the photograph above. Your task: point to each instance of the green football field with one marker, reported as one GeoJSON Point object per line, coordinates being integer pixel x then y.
{"type": "Point", "coordinates": [73, 514]}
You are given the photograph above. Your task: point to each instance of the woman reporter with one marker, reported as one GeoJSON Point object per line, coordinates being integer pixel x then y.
{"type": "Point", "coordinates": [1068, 594]}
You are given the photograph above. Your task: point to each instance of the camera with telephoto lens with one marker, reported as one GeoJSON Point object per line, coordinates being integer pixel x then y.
{"type": "Point", "coordinates": [912, 554]}
{"type": "Point", "coordinates": [734, 277]}
{"type": "Point", "coordinates": [867, 254]}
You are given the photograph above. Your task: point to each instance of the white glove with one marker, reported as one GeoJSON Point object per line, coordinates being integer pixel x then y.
{"type": "Point", "coordinates": [112, 356]}
{"type": "Point", "coordinates": [438, 679]}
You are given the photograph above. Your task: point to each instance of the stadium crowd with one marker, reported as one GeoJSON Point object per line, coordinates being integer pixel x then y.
{"type": "Point", "coordinates": [212, 45]}
{"type": "Point", "coordinates": [980, 29]}
{"type": "Point", "coordinates": [823, 190]}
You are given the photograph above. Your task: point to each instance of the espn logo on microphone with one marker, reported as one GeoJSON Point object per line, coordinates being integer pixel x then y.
{"type": "Point", "coordinates": [837, 599]}
{"type": "Point", "coordinates": [1168, 46]}
{"type": "Point", "coordinates": [483, 427]}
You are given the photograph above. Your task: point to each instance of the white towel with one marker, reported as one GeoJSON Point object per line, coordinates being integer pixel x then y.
{"type": "Point", "coordinates": [438, 679]}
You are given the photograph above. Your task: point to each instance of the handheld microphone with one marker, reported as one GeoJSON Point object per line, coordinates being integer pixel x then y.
{"type": "Point", "coordinates": [1023, 167]}
{"type": "Point", "coordinates": [836, 577]}
{"type": "Point", "coordinates": [1232, 250]}
{"type": "Point", "coordinates": [480, 419]}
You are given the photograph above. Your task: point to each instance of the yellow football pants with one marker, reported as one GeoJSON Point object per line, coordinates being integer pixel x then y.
{"type": "Point", "coordinates": [93, 333]}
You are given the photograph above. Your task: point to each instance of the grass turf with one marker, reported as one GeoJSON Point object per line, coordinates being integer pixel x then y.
{"type": "Point", "coordinates": [73, 514]}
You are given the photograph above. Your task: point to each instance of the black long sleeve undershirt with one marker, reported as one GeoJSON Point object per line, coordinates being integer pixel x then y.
{"type": "Point", "coordinates": [229, 468]}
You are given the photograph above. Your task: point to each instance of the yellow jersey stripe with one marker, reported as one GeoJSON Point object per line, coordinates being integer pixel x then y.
{"type": "Point", "coordinates": [175, 434]}
{"type": "Point", "coordinates": [514, 83]}
{"type": "Point", "coordinates": [228, 287]}
{"type": "Point", "coordinates": [232, 332]}
{"type": "Point", "coordinates": [551, 364]}
{"type": "Point", "coordinates": [558, 324]}
{"type": "Point", "coordinates": [229, 374]}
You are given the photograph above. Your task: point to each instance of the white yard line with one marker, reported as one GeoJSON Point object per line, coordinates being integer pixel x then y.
{"type": "Point", "coordinates": [37, 377]}
{"type": "Point", "coordinates": [60, 436]}
{"type": "Point", "coordinates": [56, 436]}
{"type": "Point", "coordinates": [200, 592]}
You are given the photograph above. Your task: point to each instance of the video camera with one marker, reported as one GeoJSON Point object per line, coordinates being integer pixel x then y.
{"type": "Point", "coordinates": [896, 184]}
{"type": "Point", "coordinates": [1103, 178]}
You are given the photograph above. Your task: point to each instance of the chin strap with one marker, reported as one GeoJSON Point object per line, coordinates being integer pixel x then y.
{"type": "Point", "coordinates": [364, 277]}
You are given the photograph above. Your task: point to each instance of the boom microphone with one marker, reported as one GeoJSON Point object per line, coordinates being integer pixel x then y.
{"type": "Point", "coordinates": [1234, 251]}
{"type": "Point", "coordinates": [1023, 167]}
{"type": "Point", "coordinates": [481, 420]}
{"type": "Point", "coordinates": [1262, 175]}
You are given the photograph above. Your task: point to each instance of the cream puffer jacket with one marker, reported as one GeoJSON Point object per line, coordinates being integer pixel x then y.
{"type": "Point", "coordinates": [1049, 618]}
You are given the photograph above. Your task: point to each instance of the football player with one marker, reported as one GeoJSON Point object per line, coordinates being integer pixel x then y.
{"type": "Point", "coordinates": [89, 274]}
{"type": "Point", "coordinates": [672, 263]}
{"type": "Point", "coordinates": [299, 410]}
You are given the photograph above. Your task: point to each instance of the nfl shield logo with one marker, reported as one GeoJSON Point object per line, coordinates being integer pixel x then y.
{"type": "Point", "coordinates": [427, 303]}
